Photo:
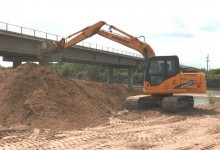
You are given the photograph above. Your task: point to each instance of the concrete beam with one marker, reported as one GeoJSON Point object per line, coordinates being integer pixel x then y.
{"type": "Point", "coordinates": [16, 63]}
{"type": "Point", "coordinates": [18, 58]}
{"type": "Point", "coordinates": [44, 62]}
{"type": "Point", "coordinates": [26, 48]}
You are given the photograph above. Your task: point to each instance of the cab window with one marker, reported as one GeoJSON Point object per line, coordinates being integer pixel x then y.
{"type": "Point", "coordinates": [156, 72]}
{"type": "Point", "coordinates": [161, 68]}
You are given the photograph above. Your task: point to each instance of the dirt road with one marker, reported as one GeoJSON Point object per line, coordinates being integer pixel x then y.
{"type": "Point", "coordinates": [153, 129]}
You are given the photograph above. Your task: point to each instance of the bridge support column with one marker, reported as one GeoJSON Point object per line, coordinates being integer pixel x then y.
{"type": "Point", "coordinates": [130, 77]}
{"type": "Point", "coordinates": [44, 63]}
{"type": "Point", "coordinates": [16, 64]}
{"type": "Point", "coordinates": [110, 75]}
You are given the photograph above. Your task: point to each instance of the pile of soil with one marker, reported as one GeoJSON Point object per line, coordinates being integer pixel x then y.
{"type": "Point", "coordinates": [39, 97]}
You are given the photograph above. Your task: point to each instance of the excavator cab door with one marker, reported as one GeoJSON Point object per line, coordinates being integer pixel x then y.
{"type": "Point", "coordinates": [160, 68]}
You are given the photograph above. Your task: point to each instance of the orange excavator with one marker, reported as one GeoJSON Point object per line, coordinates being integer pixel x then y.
{"type": "Point", "coordinates": [164, 81]}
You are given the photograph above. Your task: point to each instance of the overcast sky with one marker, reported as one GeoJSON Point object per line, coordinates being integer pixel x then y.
{"type": "Point", "coordinates": [187, 28]}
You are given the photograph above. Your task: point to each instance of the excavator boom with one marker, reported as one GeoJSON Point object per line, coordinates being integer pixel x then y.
{"type": "Point", "coordinates": [123, 38]}
{"type": "Point", "coordinates": [83, 34]}
{"type": "Point", "coordinates": [129, 41]}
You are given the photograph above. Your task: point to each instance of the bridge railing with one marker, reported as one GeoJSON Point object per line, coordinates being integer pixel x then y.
{"type": "Point", "coordinates": [108, 49]}
{"type": "Point", "coordinates": [28, 31]}
{"type": "Point", "coordinates": [50, 36]}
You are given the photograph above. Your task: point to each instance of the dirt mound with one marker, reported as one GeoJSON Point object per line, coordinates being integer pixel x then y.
{"type": "Point", "coordinates": [39, 97]}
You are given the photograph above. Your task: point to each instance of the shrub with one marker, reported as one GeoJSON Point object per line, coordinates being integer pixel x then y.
{"type": "Point", "coordinates": [211, 98]}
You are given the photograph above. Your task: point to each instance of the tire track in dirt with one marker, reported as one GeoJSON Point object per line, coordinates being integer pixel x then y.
{"type": "Point", "coordinates": [130, 130]}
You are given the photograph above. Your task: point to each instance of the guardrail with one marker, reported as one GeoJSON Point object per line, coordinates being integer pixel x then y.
{"type": "Point", "coordinates": [50, 36]}
{"type": "Point", "coordinates": [28, 31]}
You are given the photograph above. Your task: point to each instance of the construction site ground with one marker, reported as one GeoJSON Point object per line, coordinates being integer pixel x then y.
{"type": "Point", "coordinates": [41, 110]}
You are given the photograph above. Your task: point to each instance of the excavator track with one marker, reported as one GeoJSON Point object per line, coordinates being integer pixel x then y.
{"type": "Point", "coordinates": [142, 102]}
{"type": "Point", "coordinates": [169, 104]}
{"type": "Point", "coordinates": [176, 103]}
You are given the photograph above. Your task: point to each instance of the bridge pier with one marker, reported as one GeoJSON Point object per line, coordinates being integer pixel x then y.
{"type": "Point", "coordinates": [44, 63]}
{"type": "Point", "coordinates": [130, 77]}
{"type": "Point", "coordinates": [16, 63]}
{"type": "Point", "coordinates": [110, 75]}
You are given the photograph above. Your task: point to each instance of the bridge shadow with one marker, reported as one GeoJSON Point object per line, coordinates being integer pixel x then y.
{"type": "Point", "coordinates": [197, 111]}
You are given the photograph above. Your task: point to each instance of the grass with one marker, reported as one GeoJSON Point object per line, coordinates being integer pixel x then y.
{"type": "Point", "coordinates": [213, 89]}
{"type": "Point", "coordinates": [211, 98]}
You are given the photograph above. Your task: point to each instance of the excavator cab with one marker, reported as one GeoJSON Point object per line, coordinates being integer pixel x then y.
{"type": "Point", "coordinates": [160, 68]}
{"type": "Point", "coordinates": [164, 76]}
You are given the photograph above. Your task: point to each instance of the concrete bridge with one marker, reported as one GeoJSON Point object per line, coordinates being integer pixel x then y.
{"type": "Point", "coordinates": [20, 44]}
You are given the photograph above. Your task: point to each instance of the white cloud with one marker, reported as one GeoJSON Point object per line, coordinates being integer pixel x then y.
{"type": "Point", "coordinates": [171, 26]}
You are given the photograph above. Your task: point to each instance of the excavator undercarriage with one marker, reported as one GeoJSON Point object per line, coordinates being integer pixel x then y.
{"type": "Point", "coordinates": [168, 103]}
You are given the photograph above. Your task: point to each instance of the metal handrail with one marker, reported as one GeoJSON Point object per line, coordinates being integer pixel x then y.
{"type": "Point", "coordinates": [31, 32]}
{"type": "Point", "coordinates": [41, 34]}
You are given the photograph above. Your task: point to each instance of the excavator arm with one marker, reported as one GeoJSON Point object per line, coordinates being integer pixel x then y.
{"type": "Point", "coordinates": [129, 41]}
{"type": "Point", "coordinates": [82, 34]}
{"type": "Point", "coordinates": [123, 38]}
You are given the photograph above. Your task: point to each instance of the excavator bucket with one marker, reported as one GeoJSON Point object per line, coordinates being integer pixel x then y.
{"type": "Point", "coordinates": [47, 47]}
